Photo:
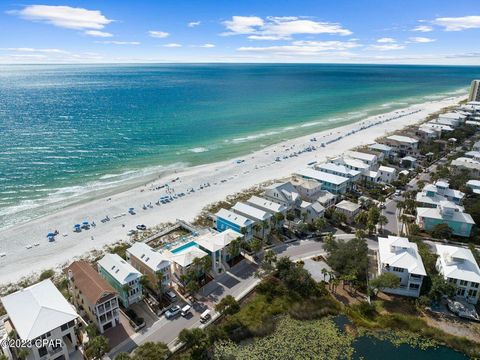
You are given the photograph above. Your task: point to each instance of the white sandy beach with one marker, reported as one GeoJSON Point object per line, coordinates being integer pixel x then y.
{"type": "Point", "coordinates": [257, 167]}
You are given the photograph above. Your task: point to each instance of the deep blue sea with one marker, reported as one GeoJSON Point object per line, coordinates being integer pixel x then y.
{"type": "Point", "coordinates": [69, 130]}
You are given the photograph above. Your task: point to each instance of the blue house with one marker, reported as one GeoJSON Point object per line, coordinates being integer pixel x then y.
{"type": "Point", "coordinates": [226, 219]}
{"type": "Point", "coordinates": [445, 213]}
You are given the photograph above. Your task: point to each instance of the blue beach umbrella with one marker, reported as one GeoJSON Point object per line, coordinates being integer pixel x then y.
{"type": "Point", "coordinates": [50, 234]}
{"type": "Point", "coordinates": [76, 225]}
{"type": "Point", "coordinates": [85, 222]}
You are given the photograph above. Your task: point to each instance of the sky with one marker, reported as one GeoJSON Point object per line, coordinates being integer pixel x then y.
{"type": "Point", "coordinates": [305, 31]}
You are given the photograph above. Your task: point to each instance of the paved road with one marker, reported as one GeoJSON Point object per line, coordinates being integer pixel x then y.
{"type": "Point", "coordinates": [391, 213]}
{"type": "Point", "coordinates": [238, 282]}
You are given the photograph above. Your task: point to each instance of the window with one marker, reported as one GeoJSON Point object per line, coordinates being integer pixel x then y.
{"type": "Point", "coordinates": [414, 286]}
{"type": "Point", "coordinates": [463, 283]}
{"type": "Point", "coordinates": [42, 351]}
{"type": "Point", "coordinates": [64, 327]}
{"type": "Point", "coordinates": [474, 285]}
{"type": "Point", "coordinates": [461, 292]}
{"type": "Point", "coordinates": [397, 269]}
{"type": "Point", "coordinates": [416, 276]}
{"type": "Point", "coordinates": [472, 293]}
{"type": "Point", "coordinates": [452, 280]}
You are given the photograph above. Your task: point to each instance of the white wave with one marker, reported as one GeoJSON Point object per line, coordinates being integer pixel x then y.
{"type": "Point", "coordinates": [254, 137]}
{"type": "Point", "coordinates": [198, 150]}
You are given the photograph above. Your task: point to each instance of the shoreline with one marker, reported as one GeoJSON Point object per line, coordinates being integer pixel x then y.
{"type": "Point", "coordinates": [126, 177]}
{"type": "Point", "coordinates": [225, 177]}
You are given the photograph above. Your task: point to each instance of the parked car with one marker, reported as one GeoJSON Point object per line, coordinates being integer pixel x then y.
{"type": "Point", "coordinates": [205, 316]}
{"type": "Point", "coordinates": [141, 227]}
{"type": "Point", "coordinates": [170, 296]}
{"type": "Point", "coordinates": [186, 310]}
{"type": "Point", "coordinates": [131, 232]}
{"type": "Point", "coordinates": [382, 206]}
{"type": "Point", "coordinates": [173, 312]}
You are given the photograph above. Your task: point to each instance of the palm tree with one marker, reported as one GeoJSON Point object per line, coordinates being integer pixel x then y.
{"type": "Point", "coordinates": [361, 218]}
{"type": "Point", "coordinates": [324, 273]}
{"type": "Point", "coordinates": [264, 226]}
{"type": "Point", "coordinates": [360, 234]}
{"type": "Point", "coordinates": [382, 220]}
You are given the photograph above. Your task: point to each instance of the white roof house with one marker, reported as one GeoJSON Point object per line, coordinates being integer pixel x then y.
{"type": "Point", "coordinates": [284, 193]}
{"type": "Point", "coordinates": [457, 263]}
{"type": "Point", "coordinates": [119, 269]}
{"type": "Point", "coordinates": [467, 163]}
{"type": "Point", "coordinates": [380, 147]}
{"type": "Point", "coordinates": [185, 257]}
{"type": "Point", "coordinates": [340, 170]}
{"type": "Point", "coordinates": [266, 205]}
{"type": "Point", "coordinates": [152, 259]}
{"type": "Point", "coordinates": [403, 139]}
{"type": "Point", "coordinates": [399, 252]}
{"type": "Point", "coordinates": [351, 163]}
{"type": "Point", "coordinates": [473, 154]}
{"type": "Point", "coordinates": [348, 206]}
{"type": "Point", "coordinates": [363, 157]}
{"type": "Point", "coordinates": [214, 241]}
{"type": "Point", "coordinates": [38, 309]}
{"type": "Point", "coordinates": [474, 185]}
{"type": "Point", "coordinates": [322, 176]}
{"type": "Point", "coordinates": [387, 169]}
{"type": "Point", "coordinates": [435, 125]}
{"type": "Point", "coordinates": [234, 218]}
{"type": "Point", "coordinates": [251, 212]}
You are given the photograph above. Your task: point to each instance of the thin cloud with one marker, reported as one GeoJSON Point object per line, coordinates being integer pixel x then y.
{"type": "Point", "coordinates": [279, 28]}
{"type": "Point", "coordinates": [98, 33]}
{"type": "Point", "coordinates": [423, 28]}
{"type": "Point", "coordinates": [387, 47]}
{"type": "Point", "coordinates": [207, 46]}
{"type": "Point", "coordinates": [64, 17]}
{"type": "Point", "coordinates": [458, 23]}
{"type": "Point", "coordinates": [172, 45]}
{"type": "Point", "coordinates": [386, 40]}
{"type": "Point", "coordinates": [158, 34]}
{"type": "Point", "coordinates": [31, 50]}
{"type": "Point", "coordinates": [194, 23]}
{"type": "Point", "coordinates": [114, 42]}
{"type": "Point", "coordinates": [420, 39]}
{"type": "Point", "coordinates": [303, 47]}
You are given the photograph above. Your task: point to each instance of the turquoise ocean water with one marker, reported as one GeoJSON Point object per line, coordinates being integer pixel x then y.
{"type": "Point", "coordinates": [69, 132]}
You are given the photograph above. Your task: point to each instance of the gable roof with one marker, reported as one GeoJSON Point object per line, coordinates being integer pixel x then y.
{"type": "Point", "coordinates": [266, 204]}
{"type": "Point", "coordinates": [89, 281]}
{"type": "Point", "coordinates": [234, 218]}
{"type": "Point", "coordinates": [119, 269]}
{"type": "Point", "coordinates": [251, 212]}
{"type": "Point", "coordinates": [458, 263]}
{"type": "Point", "coordinates": [214, 241]}
{"type": "Point", "coordinates": [38, 309]}
{"type": "Point", "coordinates": [322, 176]}
{"type": "Point", "coordinates": [404, 139]}
{"type": "Point", "coordinates": [149, 257]}
{"type": "Point", "coordinates": [399, 252]}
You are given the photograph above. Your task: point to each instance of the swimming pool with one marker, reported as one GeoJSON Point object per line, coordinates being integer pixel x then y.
{"type": "Point", "coordinates": [184, 247]}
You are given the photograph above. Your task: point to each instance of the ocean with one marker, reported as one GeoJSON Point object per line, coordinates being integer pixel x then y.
{"type": "Point", "coordinates": [72, 132]}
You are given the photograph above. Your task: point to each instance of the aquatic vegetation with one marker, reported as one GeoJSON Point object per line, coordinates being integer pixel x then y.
{"type": "Point", "coordinates": [292, 339]}
{"type": "Point", "coordinates": [400, 337]}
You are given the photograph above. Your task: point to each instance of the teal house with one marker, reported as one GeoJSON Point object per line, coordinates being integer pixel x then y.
{"type": "Point", "coordinates": [446, 213]}
{"type": "Point", "coordinates": [123, 277]}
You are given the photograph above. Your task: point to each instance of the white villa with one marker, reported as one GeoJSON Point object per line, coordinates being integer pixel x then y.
{"type": "Point", "coordinates": [258, 216]}
{"type": "Point", "coordinates": [433, 194]}
{"type": "Point", "coordinates": [340, 170]}
{"type": "Point", "coordinates": [308, 189]}
{"type": "Point", "coordinates": [311, 211]}
{"type": "Point", "coordinates": [458, 266]}
{"type": "Point", "coordinates": [400, 257]}
{"type": "Point", "coordinates": [333, 183]}
{"type": "Point", "coordinates": [348, 208]}
{"type": "Point", "coordinates": [402, 145]}
{"type": "Point", "coordinates": [472, 165]}
{"type": "Point", "coordinates": [474, 185]}
{"type": "Point", "coordinates": [351, 163]}
{"type": "Point", "coordinates": [387, 174]}
{"type": "Point", "coordinates": [41, 312]}
{"type": "Point", "coordinates": [283, 193]}
{"type": "Point", "coordinates": [369, 159]}
{"type": "Point", "coordinates": [267, 205]}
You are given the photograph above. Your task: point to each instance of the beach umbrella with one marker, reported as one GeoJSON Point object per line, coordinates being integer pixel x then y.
{"type": "Point", "coordinates": [85, 222]}
{"type": "Point", "coordinates": [77, 225]}
{"type": "Point", "coordinates": [50, 234]}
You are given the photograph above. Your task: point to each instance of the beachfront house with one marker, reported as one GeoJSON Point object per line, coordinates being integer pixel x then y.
{"type": "Point", "coordinates": [340, 170]}
{"type": "Point", "coordinates": [445, 213]}
{"type": "Point", "coordinates": [40, 312]}
{"type": "Point", "coordinates": [182, 257]}
{"type": "Point", "coordinates": [402, 145]}
{"type": "Point", "coordinates": [433, 194]}
{"type": "Point", "coordinates": [398, 256]}
{"type": "Point", "coordinates": [382, 148]}
{"type": "Point", "coordinates": [217, 245]}
{"type": "Point", "coordinates": [262, 219]}
{"type": "Point", "coordinates": [94, 298]}
{"type": "Point", "coordinates": [426, 133]}
{"type": "Point", "coordinates": [326, 199]}
{"type": "Point", "coordinates": [473, 154]}
{"type": "Point", "coordinates": [309, 212]}
{"type": "Point", "coordinates": [351, 163]}
{"type": "Point", "coordinates": [226, 219]}
{"type": "Point", "coordinates": [123, 277]}
{"type": "Point", "coordinates": [371, 177]}
{"type": "Point", "coordinates": [278, 211]}
{"type": "Point", "coordinates": [283, 193]}
{"type": "Point", "coordinates": [455, 118]}
{"type": "Point", "coordinates": [350, 209]}
{"type": "Point", "coordinates": [308, 189]}
{"type": "Point", "coordinates": [153, 264]}
{"type": "Point", "coordinates": [474, 185]}
{"type": "Point", "coordinates": [332, 183]}
{"type": "Point", "coordinates": [458, 266]}
{"type": "Point", "coordinates": [369, 159]}
{"type": "Point", "coordinates": [387, 174]}
{"type": "Point", "coordinates": [465, 163]}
